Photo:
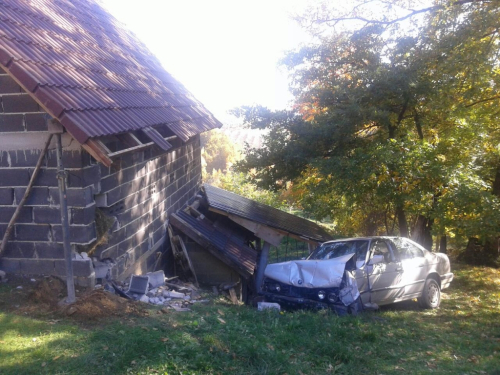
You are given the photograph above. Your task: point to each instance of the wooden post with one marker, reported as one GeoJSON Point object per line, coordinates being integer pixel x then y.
{"type": "Point", "coordinates": [25, 197]}
{"type": "Point", "coordinates": [264, 254]}
{"type": "Point", "coordinates": [68, 254]}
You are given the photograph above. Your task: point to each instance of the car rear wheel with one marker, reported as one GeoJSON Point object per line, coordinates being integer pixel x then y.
{"type": "Point", "coordinates": [431, 295]}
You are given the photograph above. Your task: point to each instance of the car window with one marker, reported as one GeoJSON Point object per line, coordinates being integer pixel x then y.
{"type": "Point", "coordinates": [407, 250]}
{"type": "Point", "coordinates": [380, 252]}
{"type": "Point", "coordinates": [340, 248]}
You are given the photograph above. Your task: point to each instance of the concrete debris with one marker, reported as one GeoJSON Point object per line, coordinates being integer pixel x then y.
{"type": "Point", "coordinates": [261, 306]}
{"type": "Point", "coordinates": [138, 284]}
{"type": "Point", "coordinates": [175, 296]}
{"type": "Point", "coordinates": [156, 279]}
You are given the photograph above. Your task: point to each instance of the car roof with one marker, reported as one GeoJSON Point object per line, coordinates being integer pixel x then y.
{"type": "Point", "coordinates": [362, 238]}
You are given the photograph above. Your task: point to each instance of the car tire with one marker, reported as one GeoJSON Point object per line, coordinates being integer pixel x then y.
{"type": "Point", "coordinates": [431, 295]}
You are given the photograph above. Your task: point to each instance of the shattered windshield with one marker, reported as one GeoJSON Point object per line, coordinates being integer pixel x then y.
{"type": "Point", "coordinates": [340, 248]}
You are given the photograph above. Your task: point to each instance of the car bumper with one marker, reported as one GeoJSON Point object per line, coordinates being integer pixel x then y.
{"type": "Point", "coordinates": [446, 280]}
{"type": "Point", "coordinates": [303, 303]}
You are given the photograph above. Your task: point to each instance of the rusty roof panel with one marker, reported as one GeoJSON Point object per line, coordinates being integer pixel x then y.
{"type": "Point", "coordinates": [92, 74]}
{"type": "Point", "coordinates": [230, 203]}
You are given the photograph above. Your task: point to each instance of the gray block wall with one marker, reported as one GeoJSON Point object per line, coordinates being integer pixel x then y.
{"type": "Point", "coordinates": [138, 191]}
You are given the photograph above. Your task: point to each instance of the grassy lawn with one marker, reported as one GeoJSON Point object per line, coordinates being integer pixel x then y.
{"type": "Point", "coordinates": [462, 337]}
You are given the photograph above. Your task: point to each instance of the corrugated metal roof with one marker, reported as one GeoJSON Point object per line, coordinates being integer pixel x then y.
{"type": "Point", "coordinates": [234, 204]}
{"type": "Point", "coordinates": [92, 74]}
{"type": "Point", "coordinates": [224, 244]}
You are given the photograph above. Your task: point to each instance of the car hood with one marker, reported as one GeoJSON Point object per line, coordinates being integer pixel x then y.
{"type": "Point", "coordinates": [309, 273]}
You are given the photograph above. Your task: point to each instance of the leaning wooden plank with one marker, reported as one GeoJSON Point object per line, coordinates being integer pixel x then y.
{"type": "Point", "coordinates": [232, 295]}
{"type": "Point", "coordinates": [186, 255]}
{"type": "Point", "coordinates": [13, 219]}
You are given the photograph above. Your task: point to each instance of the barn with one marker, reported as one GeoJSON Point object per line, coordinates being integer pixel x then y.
{"type": "Point", "coordinates": [98, 143]}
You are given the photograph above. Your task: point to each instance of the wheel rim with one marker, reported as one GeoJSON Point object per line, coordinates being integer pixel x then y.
{"type": "Point", "coordinates": [433, 294]}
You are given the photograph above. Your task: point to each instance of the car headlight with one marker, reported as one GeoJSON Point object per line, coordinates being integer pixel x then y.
{"type": "Point", "coordinates": [321, 294]}
{"type": "Point", "coordinates": [273, 287]}
{"type": "Point", "coordinates": [332, 298]}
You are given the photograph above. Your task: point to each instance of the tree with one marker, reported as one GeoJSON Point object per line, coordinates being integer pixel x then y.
{"type": "Point", "coordinates": [398, 123]}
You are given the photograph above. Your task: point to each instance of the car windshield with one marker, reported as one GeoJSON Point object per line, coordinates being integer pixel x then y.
{"type": "Point", "coordinates": [340, 248]}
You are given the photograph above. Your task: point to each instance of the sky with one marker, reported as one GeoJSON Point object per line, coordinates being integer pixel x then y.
{"type": "Point", "coordinates": [225, 52]}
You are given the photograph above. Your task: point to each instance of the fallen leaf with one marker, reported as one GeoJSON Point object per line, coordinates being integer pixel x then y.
{"type": "Point", "coordinates": [220, 312]}
{"type": "Point", "coordinates": [270, 347]}
{"type": "Point", "coordinates": [390, 334]}
{"type": "Point", "coordinates": [56, 358]}
{"type": "Point", "coordinates": [105, 348]}
{"type": "Point", "coordinates": [164, 339]}
{"type": "Point", "coordinates": [429, 353]}
{"type": "Point", "coordinates": [121, 332]}
{"type": "Point", "coordinates": [155, 329]}
{"type": "Point", "coordinates": [133, 362]}
{"type": "Point", "coordinates": [222, 320]}
{"type": "Point", "coordinates": [145, 328]}
{"type": "Point", "coordinates": [44, 364]}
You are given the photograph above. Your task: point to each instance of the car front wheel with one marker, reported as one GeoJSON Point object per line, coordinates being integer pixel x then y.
{"type": "Point", "coordinates": [431, 295]}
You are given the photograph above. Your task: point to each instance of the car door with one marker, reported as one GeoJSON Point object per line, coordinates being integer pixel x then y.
{"type": "Point", "coordinates": [385, 273]}
{"type": "Point", "coordinates": [414, 266]}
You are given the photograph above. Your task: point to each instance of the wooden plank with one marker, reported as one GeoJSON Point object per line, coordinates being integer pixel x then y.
{"type": "Point", "coordinates": [95, 149]}
{"type": "Point", "coordinates": [137, 148]}
{"type": "Point", "coordinates": [205, 243]}
{"type": "Point", "coordinates": [186, 255]}
{"type": "Point", "coordinates": [262, 231]}
{"type": "Point", "coordinates": [232, 295]}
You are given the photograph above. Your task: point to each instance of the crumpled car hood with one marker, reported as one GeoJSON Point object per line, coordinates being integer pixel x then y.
{"type": "Point", "coordinates": [309, 273]}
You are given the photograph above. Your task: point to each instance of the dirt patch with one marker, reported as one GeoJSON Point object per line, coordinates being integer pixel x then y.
{"type": "Point", "coordinates": [100, 304]}
{"type": "Point", "coordinates": [48, 291]}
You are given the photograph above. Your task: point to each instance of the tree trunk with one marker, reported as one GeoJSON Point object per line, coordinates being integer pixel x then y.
{"type": "Point", "coordinates": [443, 244]}
{"type": "Point", "coordinates": [403, 226]}
{"type": "Point", "coordinates": [421, 233]}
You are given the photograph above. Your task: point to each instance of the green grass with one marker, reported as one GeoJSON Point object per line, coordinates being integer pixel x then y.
{"type": "Point", "coordinates": [462, 337]}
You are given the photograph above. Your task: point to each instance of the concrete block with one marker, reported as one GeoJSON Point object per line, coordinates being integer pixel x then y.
{"type": "Point", "coordinates": [84, 215]}
{"type": "Point", "coordinates": [15, 249]}
{"type": "Point", "coordinates": [49, 250]}
{"type": "Point", "coordinates": [32, 232]}
{"type": "Point", "coordinates": [156, 279]}
{"type": "Point", "coordinates": [8, 85]}
{"type": "Point", "coordinates": [47, 215]}
{"type": "Point", "coordinates": [6, 196]}
{"type": "Point", "coordinates": [138, 284]}
{"type": "Point", "coordinates": [36, 122]}
{"type": "Point", "coordinates": [11, 123]}
{"type": "Point", "coordinates": [39, 196]}
{"type": "Point", "coordinates": [25, 215]}
{"type": "Point", "coordinates": [37, 266]}
{"type": "Point", "coordinates": [14, 177]}
{"type": "Point", "coordinates": [20, 103]}
{"type": "Point", "coordinates": [10, 265]}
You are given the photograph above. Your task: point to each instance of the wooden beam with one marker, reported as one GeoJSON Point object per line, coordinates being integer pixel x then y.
{"type": "Point", "coordinates": [97, 151]}
{"type": "Point", "coordinates": [262, 231]}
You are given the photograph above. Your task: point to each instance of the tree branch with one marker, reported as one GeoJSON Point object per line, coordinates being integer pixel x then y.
{"type": "Point", "coordinates": [399, 19]}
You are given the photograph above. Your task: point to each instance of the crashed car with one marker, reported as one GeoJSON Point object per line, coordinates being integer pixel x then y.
{"type": "Point", "coordinates": [347, 274]}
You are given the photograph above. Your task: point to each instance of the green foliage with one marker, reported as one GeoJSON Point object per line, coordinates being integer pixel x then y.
{"type": "Point", "coordinates": [219, 152]}
{"type": "Point", "coordinates": [391, 117]}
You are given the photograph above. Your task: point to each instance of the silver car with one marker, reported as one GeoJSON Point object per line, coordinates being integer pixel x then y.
{"type": "Point", "coordinates": [368, 271]}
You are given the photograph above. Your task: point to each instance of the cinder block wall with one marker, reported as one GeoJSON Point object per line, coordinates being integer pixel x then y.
{"type": "Point", "coordinates": [139, 191]}
{"type": "Point", "coordinates": [35, 245]}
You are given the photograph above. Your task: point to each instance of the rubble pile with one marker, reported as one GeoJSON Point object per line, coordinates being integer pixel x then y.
{"type": "Point", "coordinates": [153, 288]}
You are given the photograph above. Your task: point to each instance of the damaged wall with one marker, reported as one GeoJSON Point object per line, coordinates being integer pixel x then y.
{"type": "Point", "coordinates": [140, 190]}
